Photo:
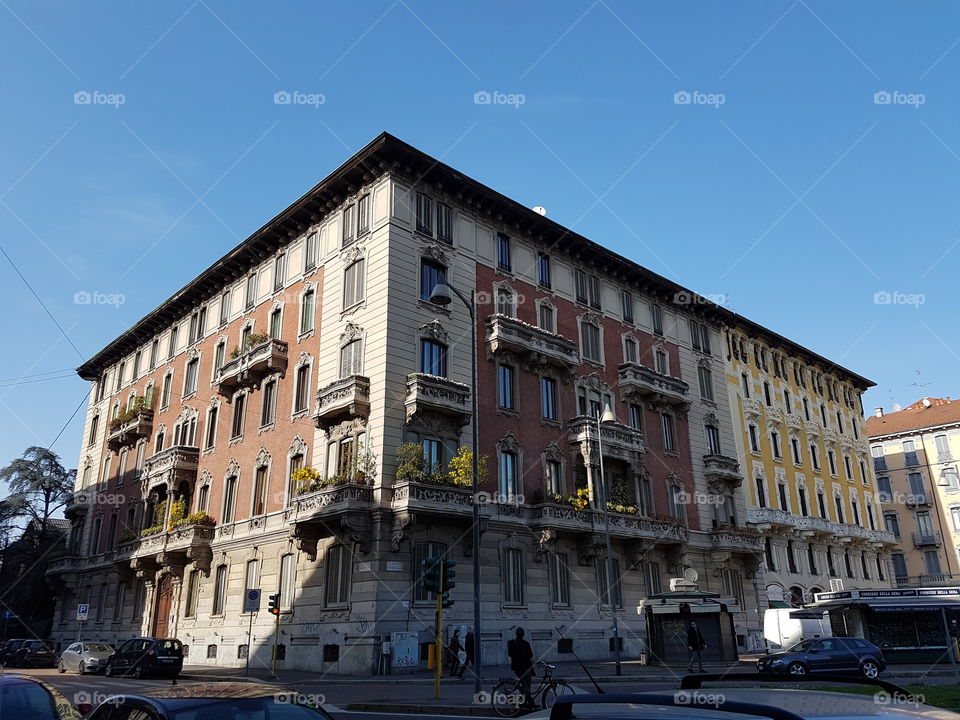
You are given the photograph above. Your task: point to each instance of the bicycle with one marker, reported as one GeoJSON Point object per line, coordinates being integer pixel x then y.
{"type": "Point", "coordinates": [507, 696]}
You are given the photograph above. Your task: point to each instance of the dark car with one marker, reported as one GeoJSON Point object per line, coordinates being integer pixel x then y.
{"type": "Point", "coordinates": [146, 656]}
{"type": "Point", "coordinates": [9, 649]}
{"type": "Point", "coordinates": [24, 696]}
{"type": "Point", "coordinates": [213, 701]}
{"type": "Point", "coordinates": [34, 654]}
{"type": "Point", "coordinates": [830, 655]}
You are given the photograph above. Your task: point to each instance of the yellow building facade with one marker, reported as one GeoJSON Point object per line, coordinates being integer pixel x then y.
{"type": "Point", "coordinates": [916, 454]}
{"type": "Point", "coordinates": [809, 485]}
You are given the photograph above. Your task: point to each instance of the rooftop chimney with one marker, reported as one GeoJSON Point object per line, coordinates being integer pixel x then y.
{"type": "Point", "coordinates": [878, 412]}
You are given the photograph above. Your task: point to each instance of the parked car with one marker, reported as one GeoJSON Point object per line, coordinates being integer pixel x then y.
{"type": "Point", "coordinates": [9, 648]}
{"type": "Point", "coordinates": [146, 656]}
{"type": "Point", "coordinates": [25, 696]}
{"type": "Point", "coordinates": [830, 655]}
{"type": "Point", "coordinates": [213, 701]}
{"type": "Point", "coordinates": [35, 654]}
{"type": "Point", "coordinates": [84, 657]}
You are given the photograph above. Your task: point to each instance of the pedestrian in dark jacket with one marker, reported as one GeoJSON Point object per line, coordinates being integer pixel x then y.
{"type": "Point", "coordinates": [469, 658]}
{"type": "Point", "coordinates": [695, 647]}
{"type": "Point", "coordinates": [455, 648]}
{"type": "Point", "coordinates": [521, 662]}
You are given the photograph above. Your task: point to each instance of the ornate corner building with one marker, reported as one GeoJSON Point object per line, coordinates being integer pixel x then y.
{"type": "Point", "coordinates": [255, 431]}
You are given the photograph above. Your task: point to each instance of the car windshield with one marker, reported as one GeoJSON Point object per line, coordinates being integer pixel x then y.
{"type": "Point", "coordinates": [249, 709]}
{"type": "Point", "coordinates": [27, 700]}
{"type": "Point", "coordinates": [98, 648]}
{"type": "Point", "coordinates": [802, 646]}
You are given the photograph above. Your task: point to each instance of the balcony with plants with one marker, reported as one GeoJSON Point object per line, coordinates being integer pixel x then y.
{"type": "Point", "coordinates": [258, 356]}
{"type": "Point", "coordinates": [131, 424]}
{"type": "Point", "coordinates": [429, 488]}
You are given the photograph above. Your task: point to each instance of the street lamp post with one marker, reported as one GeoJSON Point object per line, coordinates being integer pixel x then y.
{"type": "Point", "coordinates": [442, 294]}
{"type": "Point", "coordinates": [608, 417]}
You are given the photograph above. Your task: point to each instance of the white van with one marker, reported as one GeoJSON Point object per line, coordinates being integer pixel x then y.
{"type": "Point", "coordinates": [785, 627]}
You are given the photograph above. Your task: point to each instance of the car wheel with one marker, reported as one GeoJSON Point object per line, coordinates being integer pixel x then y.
{"type": "Point", "coordinates": [137, 672]}
{"type": "Point", "coordinates": [797, 668]}
{"type": "Point", "coordinates": [869, 669]}
{"type": "Point", "coordinates": [81, 669]}
{"type": "Point", "coordinates": [108, 670]}
{"type": "Point", "coordinates": [60, 668]}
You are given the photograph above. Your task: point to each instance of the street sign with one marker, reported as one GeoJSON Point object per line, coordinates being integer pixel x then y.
{"type": "Point", "coordinates": [83, 610]}
{"type": "Point", "coordinates": [251, 601]}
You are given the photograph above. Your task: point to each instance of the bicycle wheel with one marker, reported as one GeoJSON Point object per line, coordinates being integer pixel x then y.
{"type": "Point", "coordinates": [556, 689]}
{"type": "Point", "coordinates": [504, 698]}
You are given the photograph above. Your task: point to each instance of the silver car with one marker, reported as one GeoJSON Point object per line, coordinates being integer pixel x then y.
{"type": "Point", "coordinates": [84, 657]}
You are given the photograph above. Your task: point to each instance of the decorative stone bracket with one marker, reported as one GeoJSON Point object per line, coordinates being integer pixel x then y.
{"type": "Point", "coordinates": [589, 547]}
{"type": "Point", "coordinates": [402, 523]}
{"type": "Point", "coordinates": [636, 551]}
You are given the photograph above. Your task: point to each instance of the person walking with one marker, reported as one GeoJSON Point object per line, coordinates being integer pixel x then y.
{"type": "Point", "coordinates": [695, 646]}
{"type": "Point", "coordinates": [455, 649]}
{"type": "Point", "coordinates": [468, 657]}
{"type": "Point", "coordinates": [521, 662]}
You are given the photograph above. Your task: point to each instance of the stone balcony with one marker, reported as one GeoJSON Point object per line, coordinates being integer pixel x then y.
{"type": "Point", "coordinates": [426, 498]}
{"type": "Point", "coordinates": [564, 518]}
{"type": "Point", "coordinates": [643, 382]}
{"type": "Point", "coordinates": [734, 539]}
{"type": "Point", "coordinates": [811, 527]}
{"type": "Point", "coordinates": [128, 431]}
{"type": "Point", "coordinates": [428, 394]}
{"type": "Point", "coordinates": [927, 539]}
{"type": "Point", "coordinates": [722, 469]}
{"type": "Point", "coordinates": [540, 346]}
{"type": "Point", "coordinates": [251, 367]}
{"type": "Point", "coordinates": [176, 548]}
{"type": "Point", "coordinates": [343, 398]}
{"type": "Point", "coordinates": [172, 465]}
{"type": "Point", "coordinates": [768, 518]}
{"type": "Point", "coordinates": [341, 511]}
{"type": "Point", "coordinates": [619, 440]}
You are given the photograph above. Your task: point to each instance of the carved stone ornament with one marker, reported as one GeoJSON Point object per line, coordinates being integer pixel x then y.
{"type": "Point", "coordinates": [545, 542]}
{"type": "Point", "coordinates": [590, 546]}
{"type": "Point", "coordinates": [355, 529]}
{"type": "Point", "coordinates": [298, 446]}
{"type": "Point", "coordinates": [436, 253]}
{"type": "Point", "coordinates": [352, 254]}
{"type": "Point", "coordinates": [509, 443]}
{"type": "Point", "coordinates": [351, 332]}
{"type": "Point", "coordinates": [434, 330]}
{"type": "Point", "coordinates": [263, 457]}
{"type": "Point", "coordinates": [306, 538]}
{"type": "Point", "coordinates": [636, 551]}
{"type": "Point", "coordinates": [402, 524]}
{"type": "Point", "coordinates": [592, 317]}
{"type": "Point", "coordinates": [233, 469]}
{"type": "Point", "coordinates": [304, 359]}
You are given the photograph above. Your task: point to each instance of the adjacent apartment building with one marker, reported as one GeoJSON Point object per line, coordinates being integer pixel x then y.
{"type": "Point", "coordinates": [915, 453]}
{"type": "Point", "coordinates": [811, 490]}
{"type": "Point", "coordinates": [297, 419]}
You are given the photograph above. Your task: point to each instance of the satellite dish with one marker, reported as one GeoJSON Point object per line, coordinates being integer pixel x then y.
{"type": "Point", "coordinates": [540, 210]}
{"type": "Point", "coordinates": [691, 575]}
{"type": "Point", "coordinates": [896, 407]}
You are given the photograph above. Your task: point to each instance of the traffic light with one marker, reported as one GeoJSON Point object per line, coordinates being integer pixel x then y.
{"type": "Point", "coordinates": [432, 574]}
{"type": "Point", "coordinates": [274, 607]}
{"type": "Point", "coordinates": [449, 574]}
{"type": "Point", "coordinates": [445, 600]}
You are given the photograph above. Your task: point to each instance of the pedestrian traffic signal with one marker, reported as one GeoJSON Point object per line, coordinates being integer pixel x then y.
{"type": "Point", "coordinates": [432, 574]}
{"type": "Point", "coordinates": [445, 600]}
{"type": "Point", "coordinates": [274, 607]}
{"type": "Point", "coordinates": [449, 575]}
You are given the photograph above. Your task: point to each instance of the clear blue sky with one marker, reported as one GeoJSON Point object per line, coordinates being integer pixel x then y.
{"type": "Point", "coordinates": [799, 197]}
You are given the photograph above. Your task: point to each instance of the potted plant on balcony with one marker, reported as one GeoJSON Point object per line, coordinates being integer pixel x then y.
{"type": "Point", "coordinates": [306, 480]}
{"type": "Point", "coordinates": [410, 462]}
{"type": "Point", "coordinates": [460, 469]}
{"type": "Point", "coordinates": [139, 403]}
{"type": "Point", "coordinates": [197, 518]}
{"type": "Point", "coordinates": [253, 340]}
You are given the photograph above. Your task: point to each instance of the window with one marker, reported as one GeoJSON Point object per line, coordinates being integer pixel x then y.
{"type": "Point", "coordinates": [508, 474]}
{"type": "Point", "coordinates": [353, 281]}
{"type": "Point", "coordinates": [423, 552]}
{"type": "Point", "coordinates": [251, 579]}
{"type": "Point", "coordinates": [432, 456]}
{"type": "Point", "coordinates": [120, 371]}
{"type": "Point", "coordinates": [761, 492]}
{"type": "Point", "coordinates": [338, 577]}
{"type": "Point", "coordinates": [94, 423]}
{"type": "Point", "coordinates": [916, 487]}
{"type": "Point", "coordinates": [848, 467]}
{"type": "Point", "coordinates": [924, 523]}
{"type": "Point", "coordinates": [660, 362]}
{"type": "Point", "coordinates": [823, 415]}
{"type": "Point", "coordinates": [444, 223]}
{"type": "Point", "coordinates": [838, 505]}
{"type": "Point", "coordinates": [699, 336]}
{"type": "Point", "coordinates": [812, 559]}
{"type": "Point", "coordinates": [431, 275]}
{"type": "Point", "coordinates": [651, 573]}
{"type": "Point", "coordinates": [847, 564]}
{"type": "Point", "coordinates": [301, 392]}
{"type": "Point", "coordinates": [706, 382]}
{"type": "Point", "coordinates": [656, 319]}
{"type": "Point", "coordinates": [203, 498]}
{"type": "Point", "coordinates": [546, 318]}
{"type": "Point", "coordinates": [229, 498]}
{"type": "Point", "coordinates": [931, 562]}
{"type": "Point", "coordinates": [713, 440]}
{"type": "Point", "coordinates": [909, 453]}
{"type": "Point", "coordinates": [613, 588]}
{"type": "Point", "coordinates": [554, 477]}
{"type": "Point", "coordinates": [433, 358]}
{"type": "Point", "coordinates": [296, 463]}
{"type": "Point", "coordinates": [220, 590]}
{"type": "Point", "coordinates": [506, 394]}
{"type": "Point", "coordinates": [884, 489]}
{"type": "Point", "coordinates": [307, 311]}
{"type": "Point", "coordinates": [190, 378]}
{"type": "Point", "coordinates": [349, 224]}
{"type": "Point", "coordinates": [351, 359]}
{"type": "Point", "coordinates": [250, 295]}
{"type": "Point", "coordinates": [276, 318]}
{"type": "Point", "coordinates": [949, 479]}
{"type": "Point", "coordinates": [513, 577]}
{"type": "Point", "coordinates": [590, 342]}
{"type": "Point", "coordinates": [424, 214]}
{"type": "Point", "coordinates": [831, 568]}
{"type": "Point", "coordinates": [363, 215]}
{"type": "Point", "coordinates": [745, 382]}
{"type": "Point", "coordinates": [775, 444]}
{"type": "Point", "coordinates": [310, 253]}
{"type": "Point", "coordinates": [786, 401]}
{"type": "Point", "coordinates": [193, 592]}
{"type": "Point", "coordinates": [855, 508]}
{"type": "Point", "coordinates": [815, 457]}
{"type": "Point", "coordinates": [287, 577]}
{"type": "Point", "coordinates": [782, 495]}
{"type": "Point", "coordinates": [795, 451]}
{"type": "Point", "coordinates": [666, 428]}
{"type": "Point", "coordinates": [802, 495]}
{"type": "Point", "coordinates": [503, 252]}
{"type": "Point", "coordinates": [636, 416]}
{"type": "Point", "coordinates": [754, 438]}
{"type": "Point", "coordinates": [580, 285]}
{"type": "Point", "coordinates": [559, 580]}
{"type": "Point", "coordinates": [768, 555]}
{"type": "Point", "coordinates": [154, 354]}
{"type": "Point", "coordinates": [543, 270]}
{"type": "Point", "coordinates": [791, 557]}
{"type": "Point", "coordinates": [626, 304]}
{"type": "Point", "coordinates": [899, 565]}
{"type": "Point", "coordinates": [629, 350]}
{"type": "Point", "coordinates": [167, 390]}
{"type": "Point", "coordinates": [269, 407]}
{"type": "Point", "coordinates": [943, 445]}
{"type": "Point", "coordinates": [766, 394]}
{"type": "Point", "coordinates": [548, 398]}
{"type": "Point", "coordinates": [822, 504]}
{"type": "Point", "coordinates": [505, 303]}
{"type": "Point", "coordinates": [239, 405]}
{"type": "Point", "coordinates": [593, 291]}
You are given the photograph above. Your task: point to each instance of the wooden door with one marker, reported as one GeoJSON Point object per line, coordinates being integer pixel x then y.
{"type": "Point", "coordinates": [161, 618]}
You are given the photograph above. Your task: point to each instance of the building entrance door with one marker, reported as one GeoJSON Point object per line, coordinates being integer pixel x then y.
{"type": "Point", "coordinates": [161, 618]}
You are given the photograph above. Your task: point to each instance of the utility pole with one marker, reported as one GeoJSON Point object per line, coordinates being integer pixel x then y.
{"type": "Point", "coordinates": [438, 652]}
